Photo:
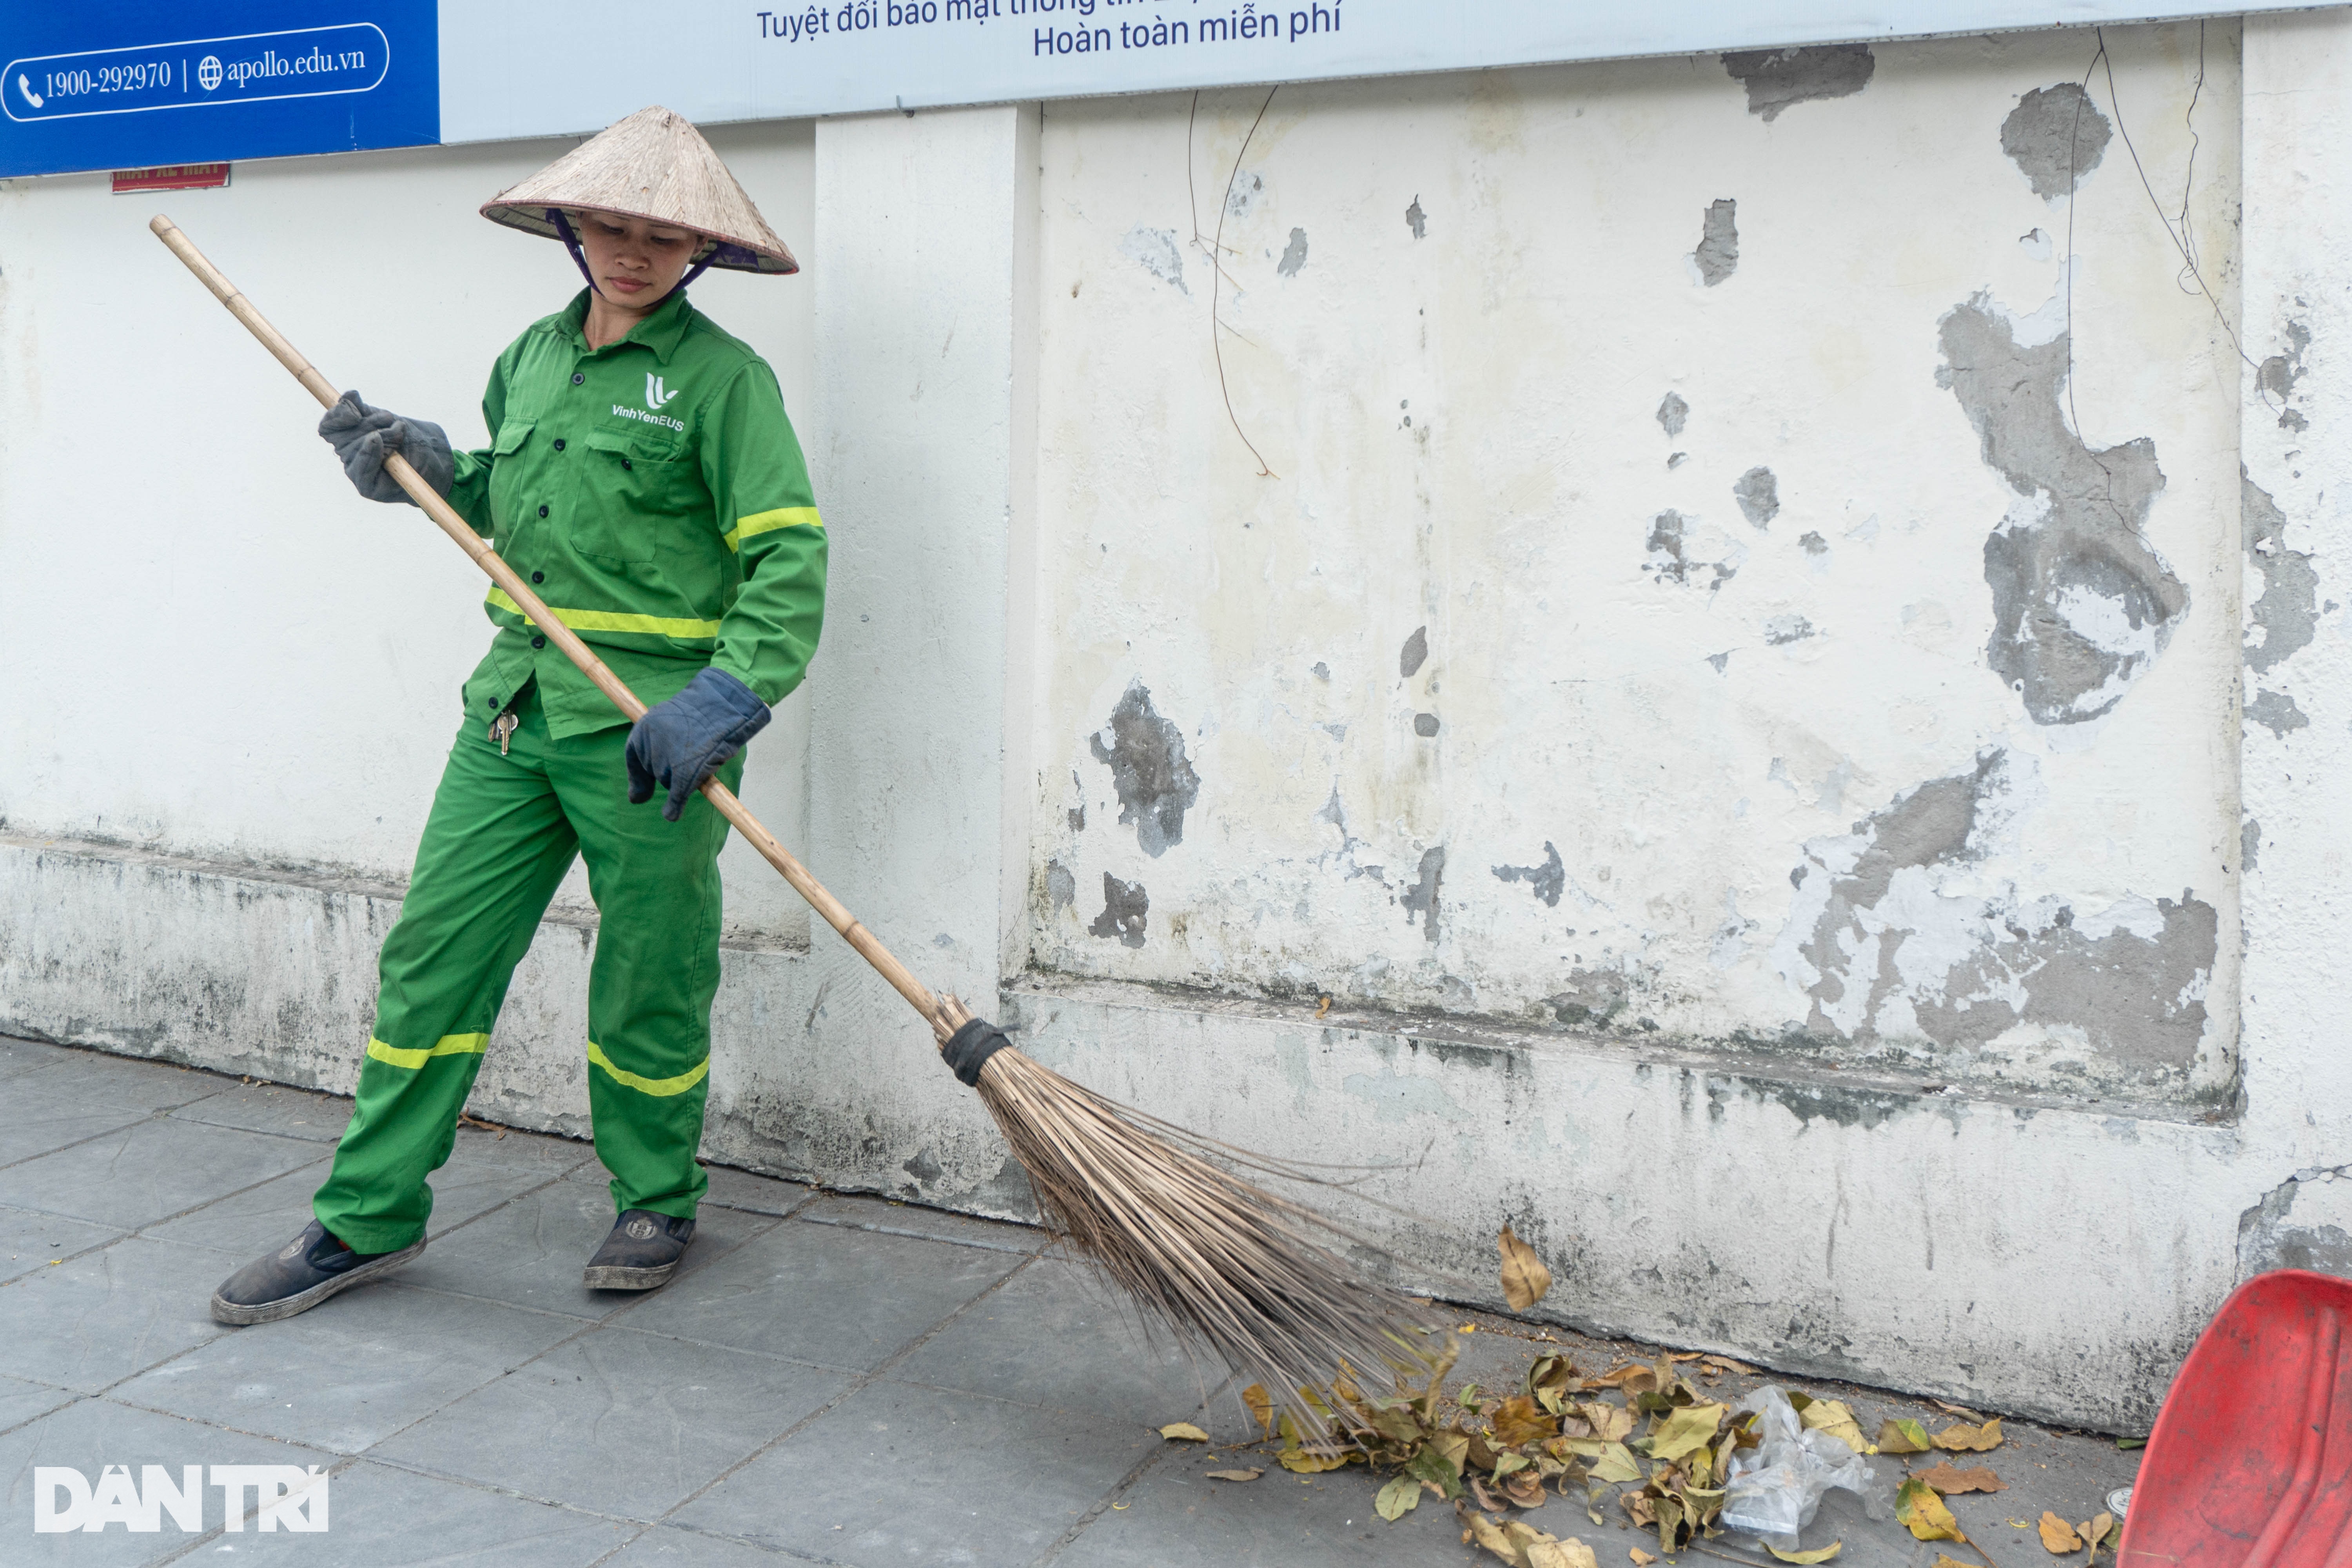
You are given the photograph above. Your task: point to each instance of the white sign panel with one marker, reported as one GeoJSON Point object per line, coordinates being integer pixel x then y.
{"type": "Point", "coordinates": [534, 67]}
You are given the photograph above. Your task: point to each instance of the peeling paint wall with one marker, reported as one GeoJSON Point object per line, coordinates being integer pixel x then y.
{"type": "Point", "coordinates": [1870, 714]}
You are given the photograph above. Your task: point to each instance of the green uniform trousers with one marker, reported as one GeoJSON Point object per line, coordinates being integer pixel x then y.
{"type": "Point", "coordinates": [501, 835]}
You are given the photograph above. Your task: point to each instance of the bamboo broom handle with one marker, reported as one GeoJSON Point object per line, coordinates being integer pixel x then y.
{"type": "Point", "coordinates": [835, 915]}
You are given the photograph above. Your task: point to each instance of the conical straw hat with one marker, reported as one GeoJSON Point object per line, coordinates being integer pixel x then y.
{"type": "Point", "coordinates": [654, 165]}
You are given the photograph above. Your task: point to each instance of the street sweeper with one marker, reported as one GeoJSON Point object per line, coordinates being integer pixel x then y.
{"type": "Point", "coordinates": [643, 477]}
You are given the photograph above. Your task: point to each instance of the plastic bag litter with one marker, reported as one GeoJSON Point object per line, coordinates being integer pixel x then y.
{"type": "Point", "coordinates": [1775, 1488]}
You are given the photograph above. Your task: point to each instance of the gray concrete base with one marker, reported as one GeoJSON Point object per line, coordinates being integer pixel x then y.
{"type": "Point", "coordinates": [1892, 1233]}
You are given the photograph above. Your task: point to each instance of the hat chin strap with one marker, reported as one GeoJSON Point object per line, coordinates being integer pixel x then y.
{"type": "Point", "coordinates": [580, 257]}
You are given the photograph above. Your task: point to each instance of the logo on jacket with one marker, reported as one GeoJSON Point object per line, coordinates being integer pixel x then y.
{"type": "Point", "coordinates": [655, 394]}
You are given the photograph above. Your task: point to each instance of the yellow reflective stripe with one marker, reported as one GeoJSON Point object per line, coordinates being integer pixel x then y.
{"type": "Point", "coordinates": [446, 1045]}
{"type": "Point", "coordinates": [762, 522]}
{"type": "Point", "coordinates": [658, 1086]}
{"type": "Point", "coordinates": [612, 620]}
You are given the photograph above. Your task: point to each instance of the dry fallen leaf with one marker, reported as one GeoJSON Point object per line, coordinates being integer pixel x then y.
{"type": "Point", "coordinates": [1686, 1431]}
{"type": "Point", "coordinates": [2058, 1537]}
{"type": "Point", "coordinates": [1525, 1278]}
{"type": "Point", "coordinates": [1969, 1439]}
{"type": "Point", "coordinates": [1518, 1420]}
{"type": "Point", "coordinates": [2094, 1534]}
{"type": "Point", "coordinates": [1962, 1411]}
{"type": "Point", "coordinates": [1944, 1559]}
{"type": "Point", "coordinates": [1923, 1513]}
{"type": "Point", "coordinates": [1397, 1499]}
{"type": "Point", "coordinates": [1261, 1404]}
{"type": "Point", "coordinates": [1833, 1416]}
{"type": "Point", "coordinates": [1819, 1554]}
{"type": "Point", "coordinates": [1306, 1462]}
{"type": "Point", "coordinates": [1235, 1475]}
{"type": "Point", "coordinates": [1184, 1431]}
{"type": "Point", "coordinates": [1639, 1556]}
{"type": "Point", "coordinates": [1902, 1437]}
{"type": "Point", "coordinates": [1948, 1480]}
{"type": "Point", "coordinates": [1724, 1363]}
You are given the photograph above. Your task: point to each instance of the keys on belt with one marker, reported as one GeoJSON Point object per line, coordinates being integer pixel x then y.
{"type": "Point", "coordinates": [503, 727]}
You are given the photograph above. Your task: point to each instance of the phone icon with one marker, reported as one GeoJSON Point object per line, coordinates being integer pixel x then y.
{"type": "Point", "coordinates": [25, 85]}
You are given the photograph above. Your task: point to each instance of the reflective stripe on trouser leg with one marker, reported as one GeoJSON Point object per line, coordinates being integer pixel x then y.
{"type": "Point", "coordinates": [496, 847]}
{"type": "Point", "coordinates": [649, 993]}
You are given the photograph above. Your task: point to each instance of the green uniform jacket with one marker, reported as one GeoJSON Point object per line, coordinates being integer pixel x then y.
{"type": "Point", "coordinates": [654, 496]}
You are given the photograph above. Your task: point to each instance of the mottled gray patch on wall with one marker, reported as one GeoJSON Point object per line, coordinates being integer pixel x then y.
{"type": "Point", "coordinates": [1672, 413]}
{"type": "Point", "coordinates": [1718, 256]}
{"type": "Point", "coordinates": [2082, 605]}
{"type": "Point", "coordinates": [1061, 887]}
{"type": "Point", "coordinates": [1155, 782]}
{"type": "Point", "coordinates": [2250, 845]}
{"type": "Point", "coordinates": [1887, 955]}
{"type": "Point", "coordinates": [1775, 78]}
{"type": "Point", "coordinates": [1813, 544]}
{"type": "Point", "coordinates": [1782, 630]}
{"type": "Point", "coordinates": [1417, 220]}
{"type": "Point", "coordinates": [1545, 881]}
{"type": "Point", "coordinates": [1125, 905]}
{"type": "Point", "coordinates": [2056, 135]}
{"type": "Point", "coordinates": [2279, 373]}
{"type": "Point", "coordinates": [2277, 712]}
{"type": "Point", "coordinates": [2299, 1224]}
{"type": "Point", "coordinates": [1242, 195]}
{"type": "Point", "coordinates": [1156, 250]}
{"type": "Point", "coordinates": [1414, 654]}
{"type": "Point", "coordinates": [1424, 725]}
{"type": "Point", "coordinates": [1668, 542]}
{"type": "Point", "coordinates": [1590, 998]}
{"type": "Point", "coordinates": [1758, 495]}
{"type": "Point", "coordinates": [1422, 899]}
{"type": "Point", "coordinates": [1294, 255]}
{"type": "Point", "coordinates": [2287, 613]}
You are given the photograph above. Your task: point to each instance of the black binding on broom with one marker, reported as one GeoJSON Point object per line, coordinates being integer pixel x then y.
{"type": "Point", "coordinates": [971, 1045]}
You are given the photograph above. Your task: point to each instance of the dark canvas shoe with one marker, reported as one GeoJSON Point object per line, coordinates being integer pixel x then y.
{"type": "Point", "coordinates": [298, 1276]}
{"type": "Point", "coordinates": [642, 1252]}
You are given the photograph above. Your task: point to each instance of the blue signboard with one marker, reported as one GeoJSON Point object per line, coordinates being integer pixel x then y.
{"type": "Point", "coordinates": [131, 85]}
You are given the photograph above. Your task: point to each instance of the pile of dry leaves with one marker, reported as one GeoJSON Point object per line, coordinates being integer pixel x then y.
{"type": "Point", "coordinates": [1663, 1442]}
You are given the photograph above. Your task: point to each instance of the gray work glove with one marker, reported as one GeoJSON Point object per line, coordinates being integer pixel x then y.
{"type": "Point", "coordinates": [680, 743]}
{"type": "Point", "coordinates": [363, 437]}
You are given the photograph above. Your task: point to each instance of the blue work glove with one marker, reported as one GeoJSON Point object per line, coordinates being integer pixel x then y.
{"type": "Point", "coordinates": [364, 437]}
{"type": "Point", "coordinates": [680, 743]}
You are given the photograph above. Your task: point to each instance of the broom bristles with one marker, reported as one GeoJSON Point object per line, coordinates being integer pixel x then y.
{"type": "Point", "coordinates": [1229, 1267]}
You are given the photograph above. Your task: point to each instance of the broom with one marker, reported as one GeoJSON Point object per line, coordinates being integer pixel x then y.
{"type": "Point", "coordinates": [1230, 1268]}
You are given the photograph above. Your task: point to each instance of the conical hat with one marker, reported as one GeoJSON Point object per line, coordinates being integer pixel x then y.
{"type": "Point", "coordinates": [654, 165]}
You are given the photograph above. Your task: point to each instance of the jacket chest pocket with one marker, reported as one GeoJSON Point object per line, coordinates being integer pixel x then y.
{"type": "Point", "coordinates": [506, 478]}
{"type": "Point", "coordinates": [631, 494]}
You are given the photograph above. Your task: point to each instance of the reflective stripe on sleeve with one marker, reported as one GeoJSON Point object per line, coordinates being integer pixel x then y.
{"type": "Point", "coordinates": [762, 522]}
{"type": "Point", "coordinates": [446, 1045]}
{"type": "Point", "coordinates": [654, 1086]}
{"type": "Point", "coordinates": [611, 620]}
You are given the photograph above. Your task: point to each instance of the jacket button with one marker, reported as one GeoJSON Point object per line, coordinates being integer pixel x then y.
{"type": "Point", "coordinates": [577, 378]}
{"type": "Point", "coordinates": [558, 443]}
{"type": "Point", "coordinates": [539, 576]}
{"type": "Point", "coordinates": [539, 642]}
{"type": "Point", "coordinates": [542, 511]}
{"type": "Point", "coordinates": [626, 464]}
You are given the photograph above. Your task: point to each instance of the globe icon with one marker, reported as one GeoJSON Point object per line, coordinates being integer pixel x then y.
{"type": "Point", "coordinates": [208, 72]}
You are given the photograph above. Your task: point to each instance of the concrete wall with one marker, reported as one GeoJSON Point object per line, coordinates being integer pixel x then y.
{"type": "Point", "coordinates": [1824, 919]}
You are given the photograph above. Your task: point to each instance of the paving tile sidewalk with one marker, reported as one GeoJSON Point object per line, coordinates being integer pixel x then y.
{"type": "Point", "coordinates": [830, 1379]}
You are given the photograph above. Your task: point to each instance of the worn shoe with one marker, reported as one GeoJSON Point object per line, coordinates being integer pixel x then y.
{"type": "Point", "coordinates": [642, 1252]}
{"type": "Point", "coordinates": [298, 1276]}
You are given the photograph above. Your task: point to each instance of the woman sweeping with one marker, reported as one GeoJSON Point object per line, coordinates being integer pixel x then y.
{"type": "Point", "coordinates": [643, 477]}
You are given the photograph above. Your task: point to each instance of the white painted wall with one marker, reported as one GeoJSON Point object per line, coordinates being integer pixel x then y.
{"type": "Point", "coordinates": [1036, 501]}
{"type": "Point", "coordinates": [1462, 425]}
